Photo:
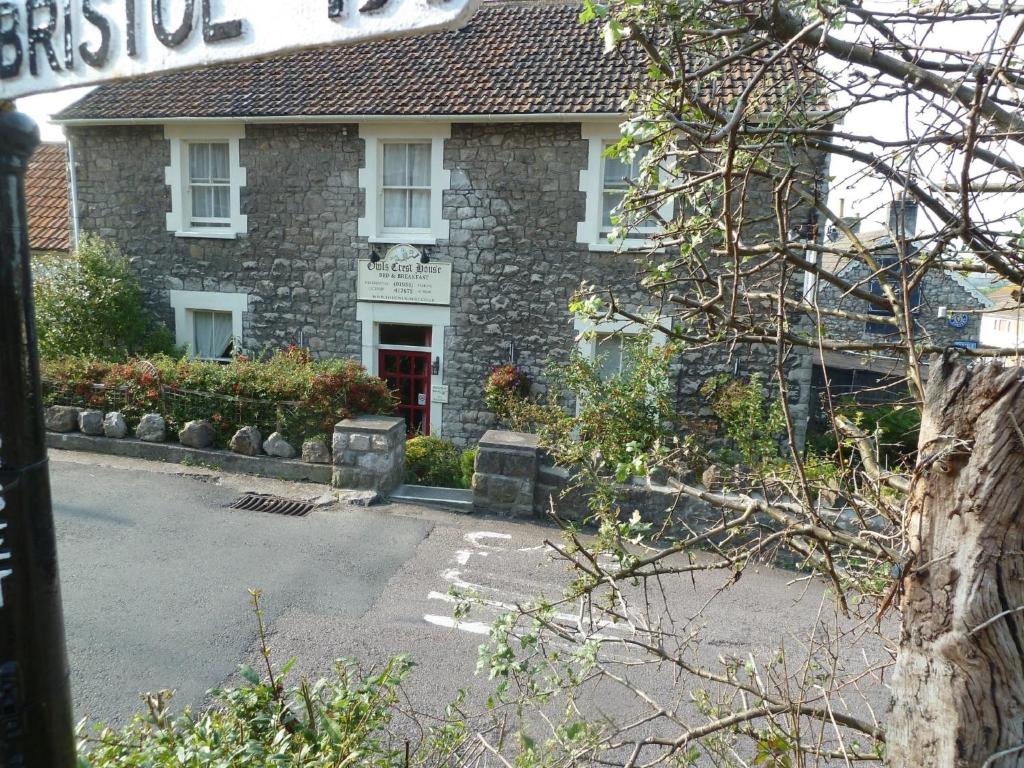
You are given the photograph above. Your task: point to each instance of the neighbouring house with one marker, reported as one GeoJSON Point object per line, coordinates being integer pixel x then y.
{"type": "Point", "coordinates": [946, 308]}
{"type": "Point", "coordinates": [1003, 326]}
{"type": "Point", "coordinates": [427, 206]}
{"type": "Point", "coordinates": [47, 199]}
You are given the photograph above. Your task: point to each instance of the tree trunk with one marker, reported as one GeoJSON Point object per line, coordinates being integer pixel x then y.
{"type": "Point", "coordinates": [958, 687]}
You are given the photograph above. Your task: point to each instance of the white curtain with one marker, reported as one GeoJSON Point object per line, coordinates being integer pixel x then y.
{"type": "Point", "coordinates": [419, 165]}
{"type": "Point", "coordinates": [394, 208]}
{"type": "Point", "coordinates": [213, 333]}
{"type": "Point", "coordinates": [609, 355]}
{"type": "Point", "coordinates": [406, 166]}
{"type": "Point", "coordinates": [210, 179]}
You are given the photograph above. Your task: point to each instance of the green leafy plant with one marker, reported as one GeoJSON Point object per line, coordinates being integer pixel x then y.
{"type": "Point", "coordinates": [753, 423]}
{"type": "Point", "coordinates": [89, 303]}
{"type": "Point", "coordinates": [505, 389]}
{"type": "Point", "coordinates": [339, 721]}
{"type": "Point", "coordinates": [289, 392]}
{"type": "Point", "coordinates": [617, 420]}
{"type": "Point", "coordinates": [467, 465]}
{"type": "Point", "coordinates": [434, 461]}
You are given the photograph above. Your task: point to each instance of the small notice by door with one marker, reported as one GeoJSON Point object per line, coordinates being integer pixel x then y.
{"type": "Point", "coordinates": [421, 398]}
{"type": "Point", "coordinates": [439, 393]}
{"type": "Point", "coordinates": [403, 277]}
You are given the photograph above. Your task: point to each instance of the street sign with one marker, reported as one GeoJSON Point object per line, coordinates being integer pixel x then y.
{"type": "Point", "coordinates": [47, 45]}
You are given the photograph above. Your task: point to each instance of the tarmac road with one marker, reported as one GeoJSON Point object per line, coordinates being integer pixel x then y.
{"type": "Point", "coordinates": [156, 572]}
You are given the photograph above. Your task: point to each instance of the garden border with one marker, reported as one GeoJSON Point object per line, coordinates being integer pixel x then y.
{"type": "Point", "coordinates": [174, 453]}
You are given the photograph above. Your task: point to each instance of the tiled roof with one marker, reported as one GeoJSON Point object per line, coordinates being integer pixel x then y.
{"type": "Point", "coordinates": [46, 193]}
{"type": "Point", "coordinates": [512, 58]}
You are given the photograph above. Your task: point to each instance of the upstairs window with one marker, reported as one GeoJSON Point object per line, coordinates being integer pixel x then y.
{"type": "Point", "coordinates": [209, 184]}
{"type": "Point", "coordinates": [617, 176]}
{"type": "Point", "coordinates": [404, 179]}
{"type": "Point", "coordinates": [405, 186]}
{"type": "Point", "coordinates": [605, 182]}
{"type": "Point", "coordinates": [206, 180]}
{"type": "Point", "coordinates": [893, 275]}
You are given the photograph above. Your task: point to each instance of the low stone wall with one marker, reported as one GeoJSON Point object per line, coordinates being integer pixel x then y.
{"type": "Point", "coordinates": [369, 453]}
{"type": "Point", "coordinates": [173, 453]}
{"type": "Point", "coordinates": [505, 473]}
{"type": "Point", "coordinates": [514, 477]}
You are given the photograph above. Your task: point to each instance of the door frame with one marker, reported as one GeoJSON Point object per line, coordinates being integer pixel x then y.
{"type": "Point", "coordinates": [373, 314]}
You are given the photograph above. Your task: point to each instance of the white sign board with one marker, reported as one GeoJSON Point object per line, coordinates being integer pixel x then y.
{"type": "Point", "coordinates": [46, 45]}
{"type": "Point", "coordinates": [403, 278]}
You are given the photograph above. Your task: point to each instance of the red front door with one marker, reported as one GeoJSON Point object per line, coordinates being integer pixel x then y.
{"type": "Point", "coordinates": [408, 373]}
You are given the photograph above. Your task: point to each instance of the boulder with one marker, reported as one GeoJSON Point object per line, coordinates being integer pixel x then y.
{"type": "Point", "coordinates": [114, 425]}
{"type": "Point", "coordinates": [152, 428]}
{"type": "Point", "coordinates": [316, 452]}
{"type": "Point", "coordinates": [276, 445]}
{"type": "Point", "coordinates": [197, 434]}
{"type": "Point", "coordinates": [247, 441]}
{"type": "Point", "coordinates": [90, 422]}
{"type": "Point", "coordinates": [61, 418]}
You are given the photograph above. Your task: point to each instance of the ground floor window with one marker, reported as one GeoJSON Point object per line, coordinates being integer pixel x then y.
{"type": "Point", "coordinates": [209, 323]}
{"type": "Point", "coordinates": [607, 342]}
{"type": "Point", "coordinates": [213, 334]}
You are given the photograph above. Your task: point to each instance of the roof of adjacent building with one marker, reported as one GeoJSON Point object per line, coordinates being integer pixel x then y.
{"type": "Point", "coordinates": [46, 196]}
{"type": "Point", "coordinates": [512, 58]}
{"type": "Point", "coordinates": [1006, 298]}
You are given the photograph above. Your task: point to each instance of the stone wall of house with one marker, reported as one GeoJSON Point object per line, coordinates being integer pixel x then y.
{"type": "Point", "coordinates": [938, 289]}
{"type": "Point", "coordinates": [513, 208]}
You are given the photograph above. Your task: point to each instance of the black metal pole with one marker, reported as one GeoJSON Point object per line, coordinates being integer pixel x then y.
{"type": "Point", "coordinates": [35, 701]}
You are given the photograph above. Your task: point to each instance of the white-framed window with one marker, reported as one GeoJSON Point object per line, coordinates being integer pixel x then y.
{"type": "Point", "coordinates": [208, 323]}
{"type": "Point", "coordinates": [405, 186]}
{"type": "Point", "coordinates": [607, 342]}
{"type": "Point", "coordinates": [615, 182]}
{"type": "Point", "coordinates": [206, 180]}
{"type": "Point", "coordinates": [404, 179]}
{"type": "Point", "coordinates": [604, 182]}
{"type": "Point", "coordinates": [208, 190]}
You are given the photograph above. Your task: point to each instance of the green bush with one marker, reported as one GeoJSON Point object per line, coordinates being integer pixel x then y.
{"type": "Point", "coordinates": [467, 463]}
{"type": "Point", "coordinates": [754, 423]}
{"type": "Point", "coordinates": [618, 419]}
{"type": "Point", "coordinates": [89, 303]}
{"type": "Point", "coordinates": [505, 388]}
{"type": "Point", "coordinates": [896, 426]}
{"type": "Point", "coordinates": [344, 720]}
{"type": "Point", "coordinates": [436, 462]}
{"type": "Point", "coordinates": [288, 393]}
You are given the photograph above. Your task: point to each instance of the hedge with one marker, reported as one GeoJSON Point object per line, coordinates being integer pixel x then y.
{"type": "Point", "coordinates": [288, 393]}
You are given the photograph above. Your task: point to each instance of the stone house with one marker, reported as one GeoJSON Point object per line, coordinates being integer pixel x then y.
{"type": "Point", "coordinates": [945, 307]}
{"type": "Point", "coordinates": [427, 206]}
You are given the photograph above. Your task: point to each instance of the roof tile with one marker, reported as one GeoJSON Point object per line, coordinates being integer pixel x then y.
{"type": "Point", "coordinates": [46, 194]}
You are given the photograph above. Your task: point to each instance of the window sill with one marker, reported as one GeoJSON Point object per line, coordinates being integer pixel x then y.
{"type": "Point", "coordinates": [208, 235]}
{"type": "Point", "coordinates": [399, 239]}
{"type": "Point", "coordinates": [622, 245]}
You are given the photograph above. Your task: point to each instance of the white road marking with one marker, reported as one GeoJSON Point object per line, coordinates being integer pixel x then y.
{"type": "Point", "coordinates": [477, 537]}
{"type": "Point", "coordinates": [473, 627]}
{"type": "Point", "coordinates": [454, 576]}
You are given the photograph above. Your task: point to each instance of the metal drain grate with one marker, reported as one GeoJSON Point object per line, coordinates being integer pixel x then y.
{"type": "Point", "coordinates": [262, 502]}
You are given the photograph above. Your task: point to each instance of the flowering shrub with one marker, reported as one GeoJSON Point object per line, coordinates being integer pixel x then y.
{"type": "Point", "coordinates": [288, 393]}
{"type": "Point", "coordinates": [89, 303]}
{"type": "Point", "coordinates": [505, 387]}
